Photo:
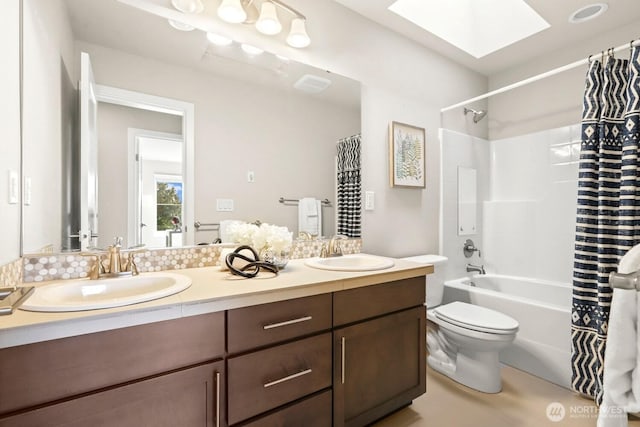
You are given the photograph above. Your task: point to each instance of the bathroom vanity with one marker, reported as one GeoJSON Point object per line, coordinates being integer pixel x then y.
{"type": "Point", "coordinates": [309, 347]}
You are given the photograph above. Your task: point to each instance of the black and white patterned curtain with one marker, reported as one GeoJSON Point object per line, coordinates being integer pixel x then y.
{"type": "Point", "coordinates": [608, 217]}
{"type": "Point", "coordinates": [349, 183]}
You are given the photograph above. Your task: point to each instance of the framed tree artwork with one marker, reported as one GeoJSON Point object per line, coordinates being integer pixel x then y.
{"type": "Point", "coordinates": [406, 156]}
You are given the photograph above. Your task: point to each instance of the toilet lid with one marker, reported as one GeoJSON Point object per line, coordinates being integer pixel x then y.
{"type": "Point", "coordinates": [476, 318]}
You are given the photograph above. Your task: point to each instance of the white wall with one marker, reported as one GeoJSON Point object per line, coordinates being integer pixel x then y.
{"type": "Point", "coordinates": [529, 221]}
{"type": "Point", "coordinates": [10, 125]}
{"type": "Point", "coordinates": [461, 150]}
{"type": "Point", "coordinates": [555, 101]}
{"type": "Point", "coordinates": [402, 81]}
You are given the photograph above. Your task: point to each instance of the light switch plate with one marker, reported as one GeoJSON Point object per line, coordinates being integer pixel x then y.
{"type": "Point", "coordinates": [224, 205]}
{"type": "Point", "coordinates": [251, 176]}
{"type": "Point", "coordinates": [369, 200]}
{"type": "Point", "coordinates": [27, 191]}
{"type": "Point", "coordinates": [14, 187]}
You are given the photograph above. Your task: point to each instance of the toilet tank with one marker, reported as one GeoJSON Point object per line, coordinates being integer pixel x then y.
{"type": "Point", "coordinates": [435, 281]}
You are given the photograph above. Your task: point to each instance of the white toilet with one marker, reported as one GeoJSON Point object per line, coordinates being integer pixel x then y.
{"type": "Point", "coordinates": [464, 340]}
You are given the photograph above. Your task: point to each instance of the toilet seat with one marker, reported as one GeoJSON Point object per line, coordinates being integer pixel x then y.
{"type": "Point", "coordinates": [476, 318]}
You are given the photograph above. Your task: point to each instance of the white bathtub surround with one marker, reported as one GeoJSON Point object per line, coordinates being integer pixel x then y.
{"type": "Point", "coordinates": [540, 350]}
{"type": "Point", "coordinates": [621, 394]}
{"type": "Point", "coordinates": [310, 216]}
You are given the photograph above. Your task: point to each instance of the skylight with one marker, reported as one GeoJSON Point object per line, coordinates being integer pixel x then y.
{"type": "Point", "coordinates": [479, 27]}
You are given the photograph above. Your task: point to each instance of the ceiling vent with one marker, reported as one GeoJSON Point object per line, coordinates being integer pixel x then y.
{"type": "Point", "coordinates": [312, 84]}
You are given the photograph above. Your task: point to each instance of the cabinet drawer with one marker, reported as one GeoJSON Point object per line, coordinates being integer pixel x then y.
{"type": "Point", "coordinates": [43, 372]}
{"type": "Point", "coordinates": [263, 380]}
{"type": "Point", "coordinates": [314, 411]}
{"type": "Point", "coordinates": [264, 324]}
{"type": "Point", "coordinates": [358, 304]}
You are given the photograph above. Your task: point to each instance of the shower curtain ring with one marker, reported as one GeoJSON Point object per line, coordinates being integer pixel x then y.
{"type": "Point", "coordinates": [589, 59]}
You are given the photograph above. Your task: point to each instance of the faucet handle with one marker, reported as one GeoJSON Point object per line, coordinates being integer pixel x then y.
{"type": "Point", "coordinates": [117, 242]}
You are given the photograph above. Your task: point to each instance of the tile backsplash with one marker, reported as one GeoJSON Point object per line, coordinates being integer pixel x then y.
{"type": "Point", "coordinates": [11, 274]}
{"type": "Point", "coordinates": [42, 267]}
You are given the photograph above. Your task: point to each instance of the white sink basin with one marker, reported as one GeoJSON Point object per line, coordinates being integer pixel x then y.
{"type": "Point", "coordinates": [80, 295]}
{"type": "Point", "coordinates": [353, 262]}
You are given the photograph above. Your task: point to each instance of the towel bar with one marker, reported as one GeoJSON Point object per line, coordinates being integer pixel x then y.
{"type": "Point", "coordinates": [324, 202]}
{"type": "Point", "coordinates": [201, 226]}
{"type": "Point", "coordinates": [625, 281]}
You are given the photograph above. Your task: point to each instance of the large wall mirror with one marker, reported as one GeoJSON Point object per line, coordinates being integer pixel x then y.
{"type": "Point", "coordinates": [256, 138]}
{"type": "Point", "coordinates": [10, 124]}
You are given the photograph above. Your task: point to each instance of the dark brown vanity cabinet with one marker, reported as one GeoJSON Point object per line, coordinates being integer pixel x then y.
{"type": "Point", "coordinates": [168, 373]}
{"type": "Point", "coordinates": [343, 358]}
{"type": "Point", "coordinates": [380, 354]}
{"type": "Point", "coordinates": [284, 357]}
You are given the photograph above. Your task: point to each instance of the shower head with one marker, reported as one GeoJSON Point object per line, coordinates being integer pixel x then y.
{"type": "Point", "coordinates": [477, 114]}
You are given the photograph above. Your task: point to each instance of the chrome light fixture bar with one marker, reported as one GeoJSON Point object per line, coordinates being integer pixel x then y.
{"type": "Point", "coordinates": [235, 12]}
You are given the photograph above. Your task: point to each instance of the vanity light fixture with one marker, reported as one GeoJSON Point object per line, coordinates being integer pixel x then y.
{"type": "Point", "coordinates": [236, 11]}
{"type": "Point", "coordinates": [268, 22]}
{"type": "Point", "coordinates": [232, 11]}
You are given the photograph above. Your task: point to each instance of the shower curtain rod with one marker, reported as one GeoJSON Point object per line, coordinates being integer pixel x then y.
{"type": "Point", "coordinates": [537, 77]}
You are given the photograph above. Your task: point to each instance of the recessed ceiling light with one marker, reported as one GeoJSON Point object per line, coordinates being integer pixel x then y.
{"type": "Point", "coordinates": [219, 40]}
{"type": "Point", "coordinates": [479, 27]}
{"type": "Point", "coordinates": [251, 50]}
{"type": "Point", "coordinates": [588, 12]}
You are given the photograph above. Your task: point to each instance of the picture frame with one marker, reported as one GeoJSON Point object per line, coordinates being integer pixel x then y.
{"type": "Point", "coordinates": [406, 155]}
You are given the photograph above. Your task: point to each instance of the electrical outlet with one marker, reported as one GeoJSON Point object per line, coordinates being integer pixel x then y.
{"type": "Point", "coordinates": [251, 176]}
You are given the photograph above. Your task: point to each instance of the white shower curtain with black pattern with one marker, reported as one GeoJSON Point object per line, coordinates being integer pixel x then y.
{"type": "Point", "coordinates": [608, 217]}
{"type": "Point", "coordinates": [349, 186]}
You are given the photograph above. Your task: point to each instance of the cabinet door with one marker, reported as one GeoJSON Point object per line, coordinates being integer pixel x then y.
{"type": "Point", "coordinates": [379, 366]}
{"type": "Point", "coordinates": [192, 397]}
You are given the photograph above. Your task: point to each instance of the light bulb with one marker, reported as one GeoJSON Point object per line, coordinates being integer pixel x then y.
{"type": "Point", "coordinates": [188, 6]}
{"type": "Point", "coordinates": [298, 36]}
{"type": "Point", "coordinates": [232, 11]}
{"type": "Point", "coordinates": [219, 40]}
{"type": "Point", "coordinates": [268, 22]}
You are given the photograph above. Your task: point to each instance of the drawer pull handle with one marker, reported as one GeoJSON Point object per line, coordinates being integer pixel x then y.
{"type": "Point", "coordinates": [217, 399]}
{"type": "Point", "coordinates": [343, 349]}
{"type": "Point", "coordinates": [290, 377]}
{"type": "Point", "coordinates": [288, 322]}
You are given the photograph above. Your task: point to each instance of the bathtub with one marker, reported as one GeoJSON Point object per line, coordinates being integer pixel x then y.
{"type": "Point", "coordinates": [543, 309]}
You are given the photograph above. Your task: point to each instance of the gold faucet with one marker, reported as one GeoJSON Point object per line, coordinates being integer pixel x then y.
{"type": "Point", "coordinates": [114, 265]}
{"type": "Point", "coordinates": [333, 248]}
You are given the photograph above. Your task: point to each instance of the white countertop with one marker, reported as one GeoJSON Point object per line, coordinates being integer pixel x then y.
{"type": "Point", "coordinates": [211, 290]}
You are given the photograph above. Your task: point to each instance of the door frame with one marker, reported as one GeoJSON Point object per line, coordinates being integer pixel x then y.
{"type": "Point", "coordinates": [186, 110]}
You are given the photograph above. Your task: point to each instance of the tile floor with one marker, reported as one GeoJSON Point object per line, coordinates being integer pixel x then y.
{"type": "Point", "coordinates": [522, 403]}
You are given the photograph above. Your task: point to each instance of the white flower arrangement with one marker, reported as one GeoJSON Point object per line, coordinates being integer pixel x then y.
{"type": "Point", "coordinates": [261, 237]}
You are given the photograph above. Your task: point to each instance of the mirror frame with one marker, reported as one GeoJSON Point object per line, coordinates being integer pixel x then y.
{"type": "Point", "coordinates": [186, 110]}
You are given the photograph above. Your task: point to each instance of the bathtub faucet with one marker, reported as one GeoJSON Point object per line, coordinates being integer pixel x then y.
{"type": "Point", "coordinates": [476, 268]}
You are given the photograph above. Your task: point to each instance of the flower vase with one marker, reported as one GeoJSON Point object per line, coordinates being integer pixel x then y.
{"type": "Point", "coordinates": [278, 258]}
